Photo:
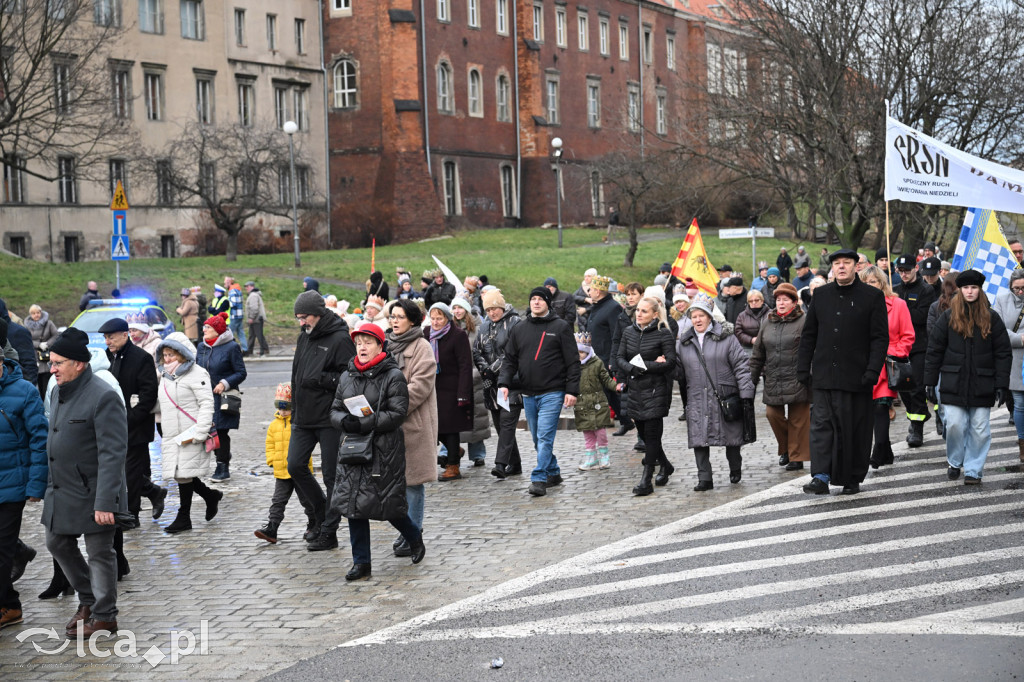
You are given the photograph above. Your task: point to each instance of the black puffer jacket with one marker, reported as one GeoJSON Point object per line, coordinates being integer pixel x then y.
{"type": "Point", "coordinates": [377, 490]}
{"type": "Point", "coordinates": [489, 354]}
{"type": "Point", "coordinates": [650, 390]}
{"type": "Point", "coordinates": [563, 304]}
{"type": "Point", "coordinates": [968, 371]}
{"type": "Point", "coordinates": [320, 358]}
{"type": "Point", "coordinates": [439, 294]}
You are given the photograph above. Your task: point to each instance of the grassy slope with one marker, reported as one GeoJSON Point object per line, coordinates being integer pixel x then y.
{"type": "Point", "coordinates": [516, 260]}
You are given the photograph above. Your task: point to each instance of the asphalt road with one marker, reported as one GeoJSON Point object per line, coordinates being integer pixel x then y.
{"type": "Point", "coordinates": [267, 373]}
{"type": "Point", "coordinates": [915, 578]}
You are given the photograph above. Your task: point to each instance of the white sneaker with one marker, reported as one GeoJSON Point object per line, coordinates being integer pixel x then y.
{"type": "Point", "coordinates": [589, 461]}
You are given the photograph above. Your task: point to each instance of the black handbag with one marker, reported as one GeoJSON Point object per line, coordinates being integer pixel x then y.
{"type": "Point", "coordinates": [356, 449]}
{"type": "Point", "coordinates": [231, 403]}
{"type": "Point", "coordinates": [899, 374]}
{"type": "Point", "coordinates": [731, 405]}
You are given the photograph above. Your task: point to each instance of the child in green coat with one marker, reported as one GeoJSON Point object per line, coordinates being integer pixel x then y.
{"type": "Point", "coordinates": [592, 413]}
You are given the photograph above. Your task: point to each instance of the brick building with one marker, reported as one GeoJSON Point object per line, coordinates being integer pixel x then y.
{"type": "Point", "coordinates": [441, 112]}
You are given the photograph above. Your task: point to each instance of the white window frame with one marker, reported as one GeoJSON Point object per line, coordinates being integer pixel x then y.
{"type": "Point", "coordinates": [272, 32]}
{"type": "Point", "coordinates": [633, 107]}
{"type": "Point", "coordinates": [193, 25]}
{"type": "Point", "coordinates": [670, 52]}
{"type": "Point", "coordinates": [648, 44]}
{"type": "Point", "coordinates": [240, 26]}
{"type": "Point", "coordinates": [62, 86]}
{"type": "Point", "coordinates": [341, 5]}
{"type": "Point", "coordinates": [151, 16]}
{"type": "Point", "coordinates": [603, 29]}
{"type": "Point", "coordinates": [153, 86]}
{"type": "Point", "coordinates": [583, 31]}
{"type": "Point", "coordinates": [624, 41]}
{"type": "Point", "coordinates": [560, 27]}
{"type": "Point", "coordinates": [593, 103]}
{"type": "Point", "coordinates": [14, 180]}
{"type": "Point", "coordinates": [300, 36]}
{"type": "Point", "coordinates": [207, 180]}
{"type": "Point", "coordinates": [445, 89]}
{"type": "Point", "coordinates": [501, 17]}
{"type": "Point", "coordinates": [106, 13]}
{"type": "Point", "coordinates": [552, 95]}
{"type": "Point", "coordinates": [474, 93]}
{"type": "Point", "coordinates": [346, 85]}
{"type": "Point", "coordinates": [117, 169]}
{"type": "Point", "coordinates": [538, 22]}
{"type": "Point", "coordinates": [450, 183]}
{"type": "Point", "coordinates": [67, 183]}
{"type": "Point", "coordinates": [509, 198]}
{"type": "Point", "coordinates": [661, 117]}
{"type": "Point", "coordinates": [246, 102]}
{"type": "Point", "coordinates": [121, 91]}
{"type": "Point", "coordinates": [503, 97]}
{"type": "Point", "coordinates": [473, 13]}
{"type": "Point", "coordinates": [714, 63]}
{"type": "Point", "coordinates": [280, 105]}
{"type": "Point", "coordinates": [444, 11]}
{"type": "Point", "coordinates": [300, 107]}
{"type": "Point", "coordinates": [596, 194]}
{"type": "Point", "coordinates": [204, 99]}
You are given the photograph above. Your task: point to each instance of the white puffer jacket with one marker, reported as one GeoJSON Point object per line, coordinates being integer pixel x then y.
{"type": "Point", "coordinates": [191, 389]}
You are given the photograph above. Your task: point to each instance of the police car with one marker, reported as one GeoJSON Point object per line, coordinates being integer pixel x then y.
{"type": "Point", "coordinates": [131, 310]}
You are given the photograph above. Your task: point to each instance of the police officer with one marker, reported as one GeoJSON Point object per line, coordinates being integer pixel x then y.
{"type": "Point", "coordinates": [918, 295]}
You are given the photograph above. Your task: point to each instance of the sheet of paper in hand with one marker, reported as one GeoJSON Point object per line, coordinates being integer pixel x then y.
{"type": "Point", "coordinates": [358, 405]}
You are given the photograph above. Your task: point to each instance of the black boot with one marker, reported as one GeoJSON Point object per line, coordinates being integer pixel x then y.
{"type": "Point", "coordinates": [326, 540]}
{"type": "Point", "coordinates": [22, 555]}
{"type": "Point", "coordinates": [123, 568]}
{"type": "Point", "coordinates": [183, 521]}
{"type": "Point", "coordinates": [645, 487]}
{"type": "Point", "coordinates": [210, 496]}
{"type": "Point", "coordinates": [915, 438]}
{"type": "Point", "coordinates": [268, 533]}
{"type": "Point", "coordinates": [58, 584]}
{"type": "Point", "coordinates": [624, 428]}
{"type": "Point", "coordinates": [664, 471]}
{"type": "Point", "coordinates": [312, 529]}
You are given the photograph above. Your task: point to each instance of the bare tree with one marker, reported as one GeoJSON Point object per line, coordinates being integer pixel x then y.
{"type": "Point", "coordinates": [233, 173]}
{"type": "Point", "coordinates": [57, 84]}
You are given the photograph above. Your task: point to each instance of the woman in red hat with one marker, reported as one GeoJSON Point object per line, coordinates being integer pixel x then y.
{"type": "Point", "coordinates": [219, 355]}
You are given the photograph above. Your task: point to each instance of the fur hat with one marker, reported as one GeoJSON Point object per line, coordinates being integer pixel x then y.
{"type": "Point", "coordinates": [72, 344]}
{"type": "Point", "coordinates": [310, 303]}
{"type": "Point", "coordinates": [787, 289]}
{"type": "Point", "coordinates": [600, 282]}
{"type": "Point", "coordinates": [493, 299]}
{"type": "Point", "coordinates": [218, 322]}
{"type": "Point", "coordinates": [702, 302]}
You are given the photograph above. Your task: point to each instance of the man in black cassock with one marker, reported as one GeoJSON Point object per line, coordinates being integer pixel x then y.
{"type": "Point", "coordinates": [842, 348]}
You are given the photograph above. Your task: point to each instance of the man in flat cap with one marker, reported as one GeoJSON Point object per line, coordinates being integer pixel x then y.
{"type": "Point", "coordinates": [919, 296]}
{"type": "Point", "coordinates": [842, 347]}
{"type": "Point", "coordinates": [86, 448]}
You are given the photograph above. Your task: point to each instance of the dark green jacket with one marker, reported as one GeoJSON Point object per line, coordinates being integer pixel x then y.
{"type": "Point", "coordinates": [591, 409]}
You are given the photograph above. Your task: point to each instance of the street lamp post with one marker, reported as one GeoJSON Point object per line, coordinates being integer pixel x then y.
{"type": "Point", "coordinates": [556, 144]}
{"type": "Point", "coordinates": [290, 128]}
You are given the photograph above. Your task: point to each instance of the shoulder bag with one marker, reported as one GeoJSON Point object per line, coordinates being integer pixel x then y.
{"type": "Point", "coordinates": [212, 441]}
{"type": "Point", "coordinates": [732, 406]}
{"type": "Point", "coordinates": [899, 374]}
{"type": "Point", "coordinates": [231, 402]}
{"type": "Point", "coordinates": [356, 449]}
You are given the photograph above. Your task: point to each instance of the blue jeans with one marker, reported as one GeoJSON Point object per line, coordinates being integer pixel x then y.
{"type": "Point", "coordinates": [542, 412]}
{"type": "Point", "coordinates": [476, 451]}
{"type": "Point", "coordinates": [968, 437]}
{"type": "Point", "coordinates": [237, 328]}
{"type": "Point", "coordinates": [1018, 412]}
{"type": "Point", "coordinates": [414, 496]}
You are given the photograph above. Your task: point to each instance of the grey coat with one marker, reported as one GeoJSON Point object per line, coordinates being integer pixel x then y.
{"type": "Point", "coordinates": [1008, 307]}
{"type": "Point", "coordinates": [86, 448]}
{"type": "Point", "coordinates": [727, 364]}
{"type": "Point", "coordinates": [774, 358]}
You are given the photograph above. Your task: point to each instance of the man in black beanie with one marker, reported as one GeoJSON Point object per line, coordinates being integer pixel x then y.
{"type": "Point", "coordinates": [322, 353]}
{"type": "Point", "coordinates": [86, 447]}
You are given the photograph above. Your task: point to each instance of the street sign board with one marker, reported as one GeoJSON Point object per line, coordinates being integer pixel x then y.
{"type": "Point", "coordinates": [119, 247]}
{"type": "Point", "coordinates": [120, 222]}
{"type": "Point", "coordinates": [120, 201]}
{"type": "Point", "coordinates": [746, 233]}
{"type": "Point", "coordinates": [766, 232]}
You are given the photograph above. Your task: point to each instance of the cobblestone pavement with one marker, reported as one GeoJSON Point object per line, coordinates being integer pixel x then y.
{"type": "Point", "coordinates": [254, 608]}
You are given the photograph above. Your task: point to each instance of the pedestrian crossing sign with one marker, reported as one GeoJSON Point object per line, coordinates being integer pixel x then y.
{"type": "Point", "coordinates": [119, 248]}
{"type": "Point", "coordinates": [120, 201]}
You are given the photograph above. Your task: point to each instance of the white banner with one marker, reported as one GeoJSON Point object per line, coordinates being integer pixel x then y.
{"type": "Point", "coordinates": [922, 170]}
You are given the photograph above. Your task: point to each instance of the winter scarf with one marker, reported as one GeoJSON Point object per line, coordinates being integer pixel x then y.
{"type": "Point", "coordinates": [436, 334]}
{"type": "Point", "coordinates": [34, 325]}
{"type": "Point", "coordinates": [362, 367]}
{"type": "Point", "coordinates": [397, 343]}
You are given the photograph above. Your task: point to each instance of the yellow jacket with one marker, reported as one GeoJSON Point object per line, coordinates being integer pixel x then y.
{"type": "Point", "coordinates": [278, 434]}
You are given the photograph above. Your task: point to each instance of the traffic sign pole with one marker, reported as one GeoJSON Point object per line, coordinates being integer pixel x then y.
{"type": "Point", "coordinates": [119, 246]}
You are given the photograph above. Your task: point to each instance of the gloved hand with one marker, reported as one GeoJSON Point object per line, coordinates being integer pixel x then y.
{"type": "Point", "coordinates": [350, 424]}
{"type": "Point", "coordinates": [869, 379]}
{"type": "Point", "coordinates": [804, 378]}
{"type": "Point", "coordinates": [929, 393]}
{"type": "Point", "coordinates": [487, 383]}
{"type": "Point", "coordinates": [1002, 396]}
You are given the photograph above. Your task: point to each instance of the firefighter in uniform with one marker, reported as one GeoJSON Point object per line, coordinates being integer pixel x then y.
{"type": "Point", "coordinates": [919, 296]}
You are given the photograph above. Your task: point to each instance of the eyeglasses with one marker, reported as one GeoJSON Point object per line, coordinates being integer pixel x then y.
{"type": "Point", "coordinates": [397, 317]}
{"type": "Point", "coordinates": [1021, 288]}
{"type": "Point", "coordinates": [59, 363]}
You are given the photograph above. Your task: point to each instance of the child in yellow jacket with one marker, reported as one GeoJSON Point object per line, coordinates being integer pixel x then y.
{"type": "Point", "coordinates": [279, 433]}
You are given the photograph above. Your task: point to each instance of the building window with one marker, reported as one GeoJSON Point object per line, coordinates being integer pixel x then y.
{"type": "Point", "coordinates": [560, 30]}
{"type": "Point", "coordinates": [71, 251]}
{"type": "Point", "coordinates": [508, 191]}
{"type": "Point", "coordinates": [473, 12]}
{"type": "Point", "coordinates": [593, 103]}
{"type": "Point", "coordinates": [476, 106]}
{"type": "Point", "coordinates": [57, 9]}
{"type": "Point", "coordinates": [670, 52]}
{"type": "Point", "coordinates": [207, 180]}
{"type": "Point", "coordinates": [502, 17]}
{"type": "Point", "coordinates": [118, 172]}
{"type": "Point", "coordinates": [192, 20]}
{"type": "Point", "coordinates": [345, 85]}
{"type": "Point", "coordinates": [661, 123]}
{"type": "Point", "coordinates": [714, 57]}
{"type": "Point", "coordinates": [302, 184]}
{"type": "Point", "coordinates": [284, 186]}
{"type": "Point", "coordinates": [106, 12]}
{"type": "Point", "coordinates": [444, 89]}
{"type": "Point", "coordinates": [62, 87]}
{"type": "Point", "coordinates": [552, 103]}
{"type": "Point", "coordinates": [444, 10]}
{"type": "Point", "coordinates": [164, 186]}
{"type": "Point", "coordinates": [734, 72]}
{"type": "Point", "coordinates": [66, 182]}
{"type": "Point", "coordinates": [239, 27]}
{"type": "Point", "coordinates": [503, 96]}
{"type": "Point", "coordinates": [452, 205]}
{"type": "Point", "coordinates": [602, 36]}
{"type": "Point", "coordinates": [624, 42]}
{"type": "Point", "coordinates": [300, 36]}
{"type": "Point", "coordinates": [648, 45]}
{"type": "Point", "coordinates": [633, 107]}
{"type": "Point", "coordinates": [151, 16]}
{"type": "Point", "coordinates": [341, 5]}
{"type": "Point", "coordinates": [204, 99]}
{"type": "Point", "coordinates": [121, 91]}
{"type": "Point", "coordinates": [272, 32]}
{"type": "Point", "coordinates": [538, 23]}
{"type": "Point", "coordinates": [154, 85]}
{"type": "Point", "coordinates": [18, 247]}
{"type": "Point", "coordinates": [300, 106]}
{"type": "Point", "coordinates": [246, 103]}
{"type": "Point", "coordinates": [596, 195]}
{"type": "Point", "coordinates": [280, 106]}
{"type": "Point", "coordinates": [14, 179]}
{"type": "Point", "coordinates": [167, 246]}
{"type": "Point", "coordinates": [583, 24]}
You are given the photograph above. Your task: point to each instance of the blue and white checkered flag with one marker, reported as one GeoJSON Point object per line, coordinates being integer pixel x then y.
{"type": "Point", "coordinates": [983, 247]}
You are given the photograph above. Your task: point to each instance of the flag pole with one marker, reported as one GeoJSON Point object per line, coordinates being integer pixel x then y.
{"type": "Point", "coordinates": [887, 246]}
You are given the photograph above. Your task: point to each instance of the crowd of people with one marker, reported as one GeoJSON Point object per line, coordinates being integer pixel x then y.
{"type": "Point", "coordinates": [392, 391]}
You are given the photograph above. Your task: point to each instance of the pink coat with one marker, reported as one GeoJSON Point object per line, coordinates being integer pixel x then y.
{"type": "Point", "coordinates": [901, 338]}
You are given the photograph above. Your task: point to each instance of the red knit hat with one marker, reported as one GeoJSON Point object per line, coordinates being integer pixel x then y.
{"type": "Point", "coordinates": [218, 322]}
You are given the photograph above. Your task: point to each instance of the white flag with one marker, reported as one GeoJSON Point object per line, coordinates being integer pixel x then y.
{"type": "Point", "coordinates": [922, 170]}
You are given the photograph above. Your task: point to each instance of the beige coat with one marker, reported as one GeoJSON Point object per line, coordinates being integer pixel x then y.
{"type": "Point", "coordinates": [189, 311]}
{"type": "Point", "coordinates": [420, 426]}
{"type": "Point", "coordinates": [192, 390]}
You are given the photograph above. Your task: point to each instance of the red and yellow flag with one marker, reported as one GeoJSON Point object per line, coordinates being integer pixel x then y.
{"type": "Point", "coordinates": [693, 262]}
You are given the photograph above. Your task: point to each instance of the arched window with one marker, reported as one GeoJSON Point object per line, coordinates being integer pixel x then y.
{"type": "Point", "coordinates": [444, 88]}
{"type": "Point", "coordinates": [476, 104]}
{"type": "Point", "coordinates": [503, 93]}
{"type": "Point", "coordinates": [345, 85]}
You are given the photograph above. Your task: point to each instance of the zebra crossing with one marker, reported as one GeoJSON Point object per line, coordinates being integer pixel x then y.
{"type": "Point", "coordinates": [913, 553]}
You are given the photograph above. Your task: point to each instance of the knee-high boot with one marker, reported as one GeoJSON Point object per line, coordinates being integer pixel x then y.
{"type": "Point", "coordinates": [210, 496]}
{"type": "Point", "coordinates": [183, 521]}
